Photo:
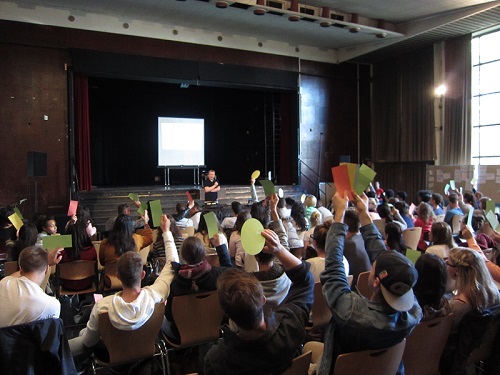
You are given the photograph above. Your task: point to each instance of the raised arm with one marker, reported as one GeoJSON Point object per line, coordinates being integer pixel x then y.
{"type": "Point", "coordinates": [276, 224]}
{"type": "Point", "coordinates": [374, 244]}
{"type": "Point", "coordinates": [221, 248]}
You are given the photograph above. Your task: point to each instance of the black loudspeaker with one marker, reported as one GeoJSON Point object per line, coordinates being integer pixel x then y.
{"type": "Point", "coordinates": [37, 164]}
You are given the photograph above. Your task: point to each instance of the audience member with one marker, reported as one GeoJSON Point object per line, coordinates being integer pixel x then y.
{"type": "Point", "coordinates": [390, 214]}
{"type": "Point", "coordinates": [441, 239]}
{"type": "Point", "coordinates": [7, 230]}
{"type": "Point", "coordinates": [194, 214]}
{"type": "Point", "coordinates": [474, 285]}
{"type": "Point", "coordinates": [354, 247]}
{"type": "Point", "coordinates": [124, 209]}
{"type": "Point", "coordinates": [132, 307]}
{"type": "Point", "coordinates": [310, 206]}
{"type": "Point", "coordinates": [195, 275]}
{"type": "Point", "coordinates": [326, 214]}
{"type": "Point", "coordinates": [204, 236]}
{"type": "Point", "coordinates": [394, 238]}
{"type": "Point", "coordinates": [27, 237]}
{"type": "Point", "coordinates": [424, 196]}
{"type": "Point", "coordinates": [272, 276]}
{"type": "Point", "coordinates": [431, 286]}
{"type": "Point", "coordinates": [402, 207]}
{"type": "Point", "coordinates": [46, 226]}
{"type": "Point", "coordinates": [159, 245]}
{"type": "Point", "coordinates": [482, 239]}
{"type": "Point", "coordinates": [372, 209]}
{"type": "Point", "coordinates": [314, 221]}
{"type": "Point", "coordinates": [23, 300]}
{"type": "Point", "coordinates": [236, 250]}
{"type": "Point", "coordinates": [261, 343]}
{"type": "Point", "coordinates": [401, 196]}
{"type": "Point", "coordinates": [436, 201]}
{"type": "Point", "coordinates": [425, 218]}
{"type": "Point", "coordinates": [122, 239]}
{"type": "Point", "coordinates": [82, 249]}
{"type": "Point", "coordinates": [358, 323]}
{"type": "Point", "coordinates": [452, 210]}
{"type": "Point", "coordinates": [228, 222]}
{"type": "Point", "coordinates": [181, 211]}
{"type": "Point", "coordinates": [319, 243]}
{"type": "Point", "coordinates": [466, 202]}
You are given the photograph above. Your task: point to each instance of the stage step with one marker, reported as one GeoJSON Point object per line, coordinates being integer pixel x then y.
{"type": "Point", "coordinates": [103, 202]}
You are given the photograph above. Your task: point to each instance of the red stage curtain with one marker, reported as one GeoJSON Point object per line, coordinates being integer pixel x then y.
{"type": "Point", "coordinates": [82, 132]}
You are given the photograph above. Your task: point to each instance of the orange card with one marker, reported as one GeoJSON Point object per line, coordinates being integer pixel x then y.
{"type": "Point", "coordinates": [342, 181]}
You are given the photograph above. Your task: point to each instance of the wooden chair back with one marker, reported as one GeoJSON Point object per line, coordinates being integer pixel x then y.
{"type": "Point", "coordinates": [300, 365]}
{"type": "Point", "coordinates": [198, 318]}
{"type": "Point", "coordinates": [439, 218]}
{"type": "Point", "coordinates": [379, 362]}
{"type": "Point", "coordinates": [131, 345]}
{"type": "Point", "coordinates": [110, 280]}
{"type": "Point", "coordinates": [427, 340]}
{"type": "Point", "coordinates": [362, 285]}
{"type": "Point", "coordinates": [74, 271]}
{"type": "Point", "coordinates": [187, 231]}
{"type": "Point", "coordinates": [10, 268]}
{"type": "Point", "coordinates": [321, 313]}
{"type": "Point", "coordinates": [411, 237]}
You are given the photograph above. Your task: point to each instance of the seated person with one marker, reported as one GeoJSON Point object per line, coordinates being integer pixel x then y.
{"type": "Point", "coordinates": [474, 284]}
{"type": "Point", "coordinates": [425, 218]}
{"type": "Point", "coordinates": [394, 238]}
{"type": "Point", "coordinates": [122, 239]}
{"type": "Point", "coordinates": [319, 243]}
{"type": "Point", "coordinates": [441, 240]}
{"type": "Point", "coordinates": [228, 222]}
{"type": "Point", "coordinates": [483, 240]}
{"type": "Point", "coordinates": [202, 234]}
{"type": "Point", "coordinates": [436, 201]}
{"type": "Point", "coordinates": [310, 206]}
{"type": "Point", "coordinates": [261, 342]}
{"type": "Point", "coordinates": [195, 275]}
{"type": "Point", "coordinates": [158, 253]}
{"type": "Point", "coordinates": [124, 209]}
{"type": "Point", "coordinates": [431, 286]}
{"type": "Point", "coordinates": [194, 214]}
{"type": "Point", "coordinates": [28, 235]}
{"type": "Point", "coordinates": [46, 226]}
{"type": "Point", "coordinates": [7, 230]}
{"type": "Point", "coordinates": [403, 208]}
{"type": "Point", "coordinates": [452, 209]}
{"type": "Point", "coordinates": [358, 323]}
{"type": "Point", "coordinates": [23, 300]}
{"type": "Point", "coordinates": [236, 250]}
{"type": "Point", "coordinates": [273, 279]}
{"type": "Point", "coordinates": [131, 308]}
{"type": "Point", "coordinates": [82, 249]}
{"type": "Point", "coordinates": [180, 215]}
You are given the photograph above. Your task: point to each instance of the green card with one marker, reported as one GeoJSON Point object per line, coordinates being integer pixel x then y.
{"type": "Point", "coordinates": [251, 237]}
{"type": "Point", "coordinates": [492, 219]}
{"type": "Point", "coordinates": [141, 210]}
{"type": "Point", "coordinates": [490, 205]}
{"type": "Point", "coordinates": [53, 242]}
{"type": "Point", "coordinates": [413, 255]}
{"type": "Point", "coordinates": [268, 187]}
{"type": "Point", "coordinates": [16, 210]}
{"type": "Point", "coordinates": [134, 197]}
{"type": "Point", "coordinates": [365, 176]}
{"type": "Point", "coordinates": [16, 221]}
{"type": "Point", "coordinates": [212, 223]}
{"type": "Point", "coordinates": [156, 212]}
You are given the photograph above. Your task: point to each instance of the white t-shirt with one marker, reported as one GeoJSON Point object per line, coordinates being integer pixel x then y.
{"type": "Point", "coordinates": [23, 301]}
{"type": "Point", "coordinates": [318, 266]}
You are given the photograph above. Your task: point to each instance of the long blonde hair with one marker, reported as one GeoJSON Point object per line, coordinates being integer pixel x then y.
{"type": "Point", "coordinates": [473, 278]}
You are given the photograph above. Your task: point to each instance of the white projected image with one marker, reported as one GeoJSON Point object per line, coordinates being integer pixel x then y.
{"type": "Point", "coordinates": [181, 141]}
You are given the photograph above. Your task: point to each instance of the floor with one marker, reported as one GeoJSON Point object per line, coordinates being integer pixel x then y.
{"type": "Point", "coordinates": [181, 362]}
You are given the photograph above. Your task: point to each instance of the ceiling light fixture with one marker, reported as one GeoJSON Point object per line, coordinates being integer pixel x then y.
{"type": "Point", "coordinates": [355, 29]}
{"type": "Point", "coordinates": [381, 35]}
{"type": "Point", "coordinates": [325, 13]}
{"type": "Point", "coordinates": [294, 7]}
{"type": "Point", "coordinates": [260, 11]}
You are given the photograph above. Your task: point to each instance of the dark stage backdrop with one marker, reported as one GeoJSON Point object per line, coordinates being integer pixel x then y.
{"type": "Point", "coordinates": [243, 130]}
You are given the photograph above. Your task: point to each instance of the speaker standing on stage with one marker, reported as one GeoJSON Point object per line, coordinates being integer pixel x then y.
{"type": "Point", "coordinates": [211, 187]}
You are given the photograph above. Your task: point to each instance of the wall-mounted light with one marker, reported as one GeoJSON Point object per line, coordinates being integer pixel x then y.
{"type": "Point", "coordinates": [294, 7]}
{"type": "Point", "coordinates": [325, 13]}
{"type": "Point", "coordinates": [260, 11]}
{"type": "Point", "coordinates": [221, 4]}
{"type": "Point", "coordinates": [381, 35]}
{"type": "Point", "coordinates": [440, 91]}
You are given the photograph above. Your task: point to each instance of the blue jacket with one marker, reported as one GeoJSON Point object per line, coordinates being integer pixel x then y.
{"type": "Point", "coordinates": [358, 323]}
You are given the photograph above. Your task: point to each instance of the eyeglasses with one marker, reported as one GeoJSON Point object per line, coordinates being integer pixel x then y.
{"type": "Point", "coordinates": [311, 236]}
{"type": "Point", "coordinates": [451, 265]}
